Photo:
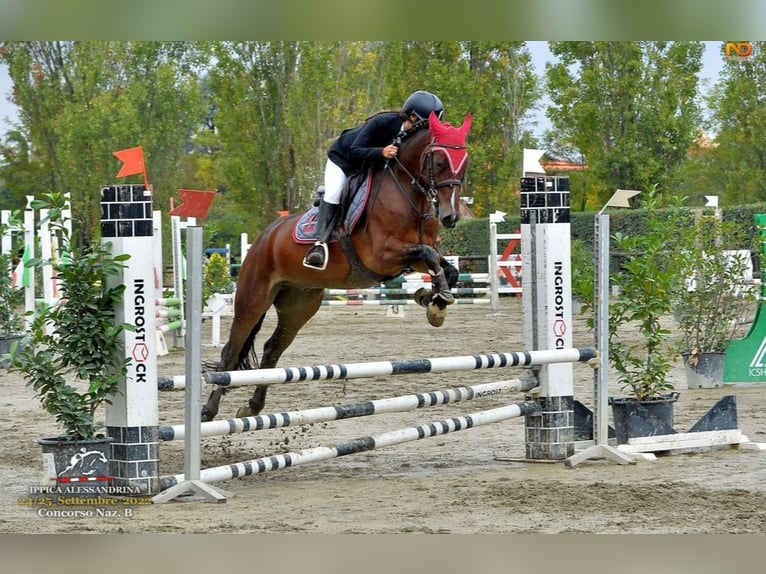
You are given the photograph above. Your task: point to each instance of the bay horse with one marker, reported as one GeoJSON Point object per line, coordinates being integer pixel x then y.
{"type": "Point", "coordinates": [410, 196]}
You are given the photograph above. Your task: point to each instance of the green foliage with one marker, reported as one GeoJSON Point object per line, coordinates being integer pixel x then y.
{"type": "Point", "coordinates": [81, 101]}
{"type": "Point", "coordinates": [709, 309]}
{"type": "Point", "coordinates": [583, 273]}
{"type": "Point", "coordinates": [471, 236]}
{"type": "Point", "coordinates": [739, 120]}
{"type": "Point", "coordinates": [279, 106]}
{"type": "Point", "coordinates": [73, 360]}
{"type": "Point", "coordinates": [629, 108]}
{"type": "Point", "coordinates": [255, 118]}
{"type": "Point", "coordinates": [647, 281]}
{"type": "Point", "coordinates": [216, 277]}
{"type": "Point", "coordinates": [11, 299]}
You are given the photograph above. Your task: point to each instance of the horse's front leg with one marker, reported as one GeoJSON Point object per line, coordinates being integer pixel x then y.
{"type": "Point", "coordinates": [443, 276]}
{"type": "Point", "coordinates": [451, 272]}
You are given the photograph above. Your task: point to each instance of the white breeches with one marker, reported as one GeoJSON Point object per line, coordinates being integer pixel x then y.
{"type": "Point", "coordinates": [334, 180]}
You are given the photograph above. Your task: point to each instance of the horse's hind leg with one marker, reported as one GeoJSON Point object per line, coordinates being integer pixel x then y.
{"type": "Point", "coordinates": [235, 355]}
{"type": "Point", "coordinates": [294, 309]}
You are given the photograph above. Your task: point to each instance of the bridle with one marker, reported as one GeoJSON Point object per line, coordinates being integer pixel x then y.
{"type": "Point", "coordinates": [431, 187]}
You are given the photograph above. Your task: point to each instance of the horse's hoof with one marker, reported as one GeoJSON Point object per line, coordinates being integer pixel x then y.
{"type": "Point", "coordinates": [206, 416]}
{"type": "Point", "coordinates": [436, 315]}
{"type": "Point", "coordinates": [243, 412]}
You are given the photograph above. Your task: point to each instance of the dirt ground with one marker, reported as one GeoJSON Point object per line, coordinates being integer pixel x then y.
{"type": "Point", "coordinates": [470, 481]}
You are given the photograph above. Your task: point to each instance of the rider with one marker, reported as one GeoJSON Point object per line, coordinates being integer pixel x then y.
{"type": "Point", "coordinates": [368, 143]}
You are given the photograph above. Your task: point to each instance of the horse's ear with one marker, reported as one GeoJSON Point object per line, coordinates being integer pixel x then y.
{"type": "Point", "coordinates": [466, 127]}
{"type": "Point", "coordinates": [433, 120]}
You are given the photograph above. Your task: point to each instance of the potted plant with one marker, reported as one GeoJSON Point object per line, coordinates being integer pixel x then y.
{"type": "Point", "coordinates": [216, 277]}
{"type": "Point", "coordinates": [11, 300]}
{"type": "Point", "coordinates": [71, 360]}
{"type": "Point", "coordinates": [640, 348]}
{"type": "Point", "coordinates": [711, 304]}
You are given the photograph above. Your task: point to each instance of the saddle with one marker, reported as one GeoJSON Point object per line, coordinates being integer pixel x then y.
{"type": "Point", "coordinates": [352, 204]}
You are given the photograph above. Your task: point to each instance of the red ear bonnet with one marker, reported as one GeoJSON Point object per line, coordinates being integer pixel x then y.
{"type": "Point", "coordinates": [451, 140]}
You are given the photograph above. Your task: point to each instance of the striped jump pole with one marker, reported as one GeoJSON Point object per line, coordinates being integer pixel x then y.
{"type": "Point", "coordinates": [466, 278]}
{"type": "Point", "coordinates": [407, 291]}
{"type": "Point", "coordinates": [361, 444]}
{"type": "Point", "coordinates": [400, 404]}
{"type": "Point", "coordinates": [373, 302]}
{"type": "Point", "coordinates": [279, 375]}
{"type": "Point", "coordinates": [170, 315]}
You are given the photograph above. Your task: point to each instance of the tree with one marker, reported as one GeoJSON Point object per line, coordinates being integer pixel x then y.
{"type": "Point", "coordinates": [629, 108]}
{"type": "Point", "coordinates": [738, 104]}
{"type": "Point", "coordinates": [253, 120]}
{"type": "Point", "coordinates": [81, 101]}
{"type": "Point", "coordinates": [502, 89]}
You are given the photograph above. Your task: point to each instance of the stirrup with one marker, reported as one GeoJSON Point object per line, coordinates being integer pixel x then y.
{"type": "Point", "coordinates": [319, 248]}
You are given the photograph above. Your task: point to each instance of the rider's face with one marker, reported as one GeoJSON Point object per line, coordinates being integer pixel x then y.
{"type": "Point", "coordinates": [413, 119]}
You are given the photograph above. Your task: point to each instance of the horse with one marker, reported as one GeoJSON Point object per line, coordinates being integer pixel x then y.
{"type": "Point", "coordinates": [409, 198]}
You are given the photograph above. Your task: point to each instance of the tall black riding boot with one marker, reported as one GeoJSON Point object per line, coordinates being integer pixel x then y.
{"type": "Point", "coordinates": [317, 256]}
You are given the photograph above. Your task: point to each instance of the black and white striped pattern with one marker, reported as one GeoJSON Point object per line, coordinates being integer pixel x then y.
{"type": "Point", "coordinates": [362, 444]}
{"type": "Point", "coordinates": [367, 408]}
{"type": "Point", "coordinates": [383, 368]}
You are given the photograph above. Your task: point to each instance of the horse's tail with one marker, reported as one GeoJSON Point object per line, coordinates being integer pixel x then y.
{"type": "Point", "coordinates": [248, 359]}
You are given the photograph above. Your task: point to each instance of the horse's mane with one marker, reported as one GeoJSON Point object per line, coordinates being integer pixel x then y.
{"type": "Point", "coordinates": [416, 127]}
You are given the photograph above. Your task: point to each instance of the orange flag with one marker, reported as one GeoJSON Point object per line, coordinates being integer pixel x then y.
{"type": "Point", "coordinates": [133, 163]}
{"type": "Point", "coordinates": [194, 203]}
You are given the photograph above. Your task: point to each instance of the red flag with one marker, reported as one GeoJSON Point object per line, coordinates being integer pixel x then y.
{"type": "Point", "coordinates": [133, 161]}
{"type": "Point", "coordinates": [194, 203]}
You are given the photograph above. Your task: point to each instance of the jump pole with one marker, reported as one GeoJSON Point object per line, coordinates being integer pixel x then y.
{"type": "Point", "coordinates": [361, 444]}
{"type": "Point", "coordinates": [29, 250]}
{"type": "Point", "coordinates": [601, 447]}
{"type": "Point", "coordinates": [278, 375]}
{"type": "Point", "coordinates": [400, 404]}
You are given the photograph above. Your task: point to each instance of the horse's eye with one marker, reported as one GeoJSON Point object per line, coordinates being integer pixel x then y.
{"type": "Point", "coordinates": [440, 165]}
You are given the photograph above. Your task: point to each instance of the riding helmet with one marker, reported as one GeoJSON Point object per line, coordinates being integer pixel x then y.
{"type": "Point", "coordinates": [422, 103]}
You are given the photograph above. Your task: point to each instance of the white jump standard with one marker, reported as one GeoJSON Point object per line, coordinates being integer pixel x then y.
{"type": "Point", "coordinates": [547, 302]}
{"type": "Point", "coordinates": [132, 418]}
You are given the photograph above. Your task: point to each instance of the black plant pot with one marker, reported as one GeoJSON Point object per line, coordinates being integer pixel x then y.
{"type": "Point", "coordinates": [650, 417]}
{"type": "Point", "coordinates": [70, 461]}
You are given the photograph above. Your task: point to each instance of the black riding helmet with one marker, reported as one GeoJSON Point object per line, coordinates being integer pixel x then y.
{"type": "Point", "coordinates": [422, 103]}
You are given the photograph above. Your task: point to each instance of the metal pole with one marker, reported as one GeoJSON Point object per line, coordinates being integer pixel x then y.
{"type": "Point", "coordinates": [601, 391]}
{"type": "Point", "coordinates": [193, 423]}
{"type": "Point", "coordinates": [193, 341]}
{"type": "Point", "coordinates": [601, 448]}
